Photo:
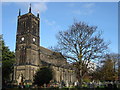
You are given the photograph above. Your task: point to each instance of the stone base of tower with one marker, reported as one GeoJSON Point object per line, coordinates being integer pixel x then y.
{"type": "Point", "coordinates": [24, 73]}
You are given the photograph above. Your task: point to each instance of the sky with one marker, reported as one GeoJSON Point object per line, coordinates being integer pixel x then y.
{"type": "Point", "coordinates": [57, 16]}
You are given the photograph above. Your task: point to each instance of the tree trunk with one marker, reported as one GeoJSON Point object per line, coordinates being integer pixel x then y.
{"type": "Point", "coordinates": [80, 82]}
{"type": "Point", "coordinates": [80, 79]}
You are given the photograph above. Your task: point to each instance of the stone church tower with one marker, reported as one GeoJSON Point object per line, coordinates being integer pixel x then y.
{"type": "Point", "coordinates": [27, 47]}
{"type": "Point", "coordinates": [30, 55]}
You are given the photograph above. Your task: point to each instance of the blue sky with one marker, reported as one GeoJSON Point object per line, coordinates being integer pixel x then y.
{"type": "Point", "coordinates": [59, 16]}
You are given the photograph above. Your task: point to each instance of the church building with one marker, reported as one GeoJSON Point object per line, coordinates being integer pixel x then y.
{"type": "Point", "coordinates": [30, 56]}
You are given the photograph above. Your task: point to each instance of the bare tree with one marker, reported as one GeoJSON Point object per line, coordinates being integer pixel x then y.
{"type": "Point", "coordinates": [81, 44]}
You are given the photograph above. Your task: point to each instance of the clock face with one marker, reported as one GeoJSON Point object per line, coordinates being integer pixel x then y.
{"type": "Point", "coordinates": [33, 39]}
{"type": "Point", "coordinates": [22, 38]}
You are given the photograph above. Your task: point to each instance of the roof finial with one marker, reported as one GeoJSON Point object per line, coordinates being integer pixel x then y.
{"type": "Point", "coordinates": [30, 8]}
{"type": "Point", "coordinates": [38, 13]}
{"type": "Point", "coordinates": [19, 12]}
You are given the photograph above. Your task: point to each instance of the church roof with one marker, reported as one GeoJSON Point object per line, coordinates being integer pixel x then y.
{"type": "Point", "coordinates": [51, 53]}
{"type": "Point", "coordinates": [55, 56]}
{"type": "Point", "coordinates": [45, 51]}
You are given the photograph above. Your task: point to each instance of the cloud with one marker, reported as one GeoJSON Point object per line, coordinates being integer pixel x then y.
{"type": "Point", "coordinates": [85, 9]}
{"type": "Point", "coordinates": [89, 5]}
{"type": "Point", "coordinates": [77, 12]}
{"type": "Point", "coordinates": [52, 24]}
{"type": "Point", "coordinates": [81, 12]}
{"type": "Point", "coordinates": [39, 7]}
{"type": "Point", "coordinates": [71, 5]}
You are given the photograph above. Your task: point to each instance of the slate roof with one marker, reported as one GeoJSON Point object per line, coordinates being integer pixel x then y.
{"type": "Point", "coordinates": [56, 56]}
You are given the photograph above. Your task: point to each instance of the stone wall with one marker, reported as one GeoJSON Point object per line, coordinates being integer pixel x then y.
{"type": "Point", "coordinates": [63, 71]}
